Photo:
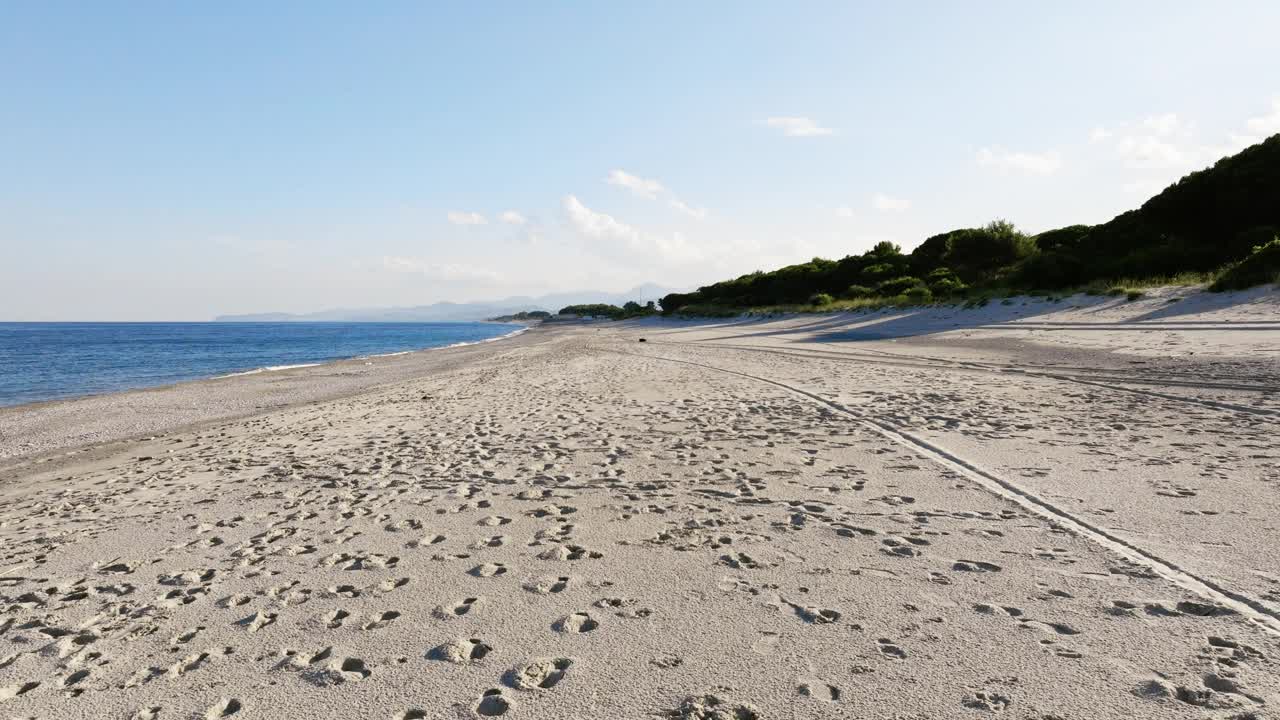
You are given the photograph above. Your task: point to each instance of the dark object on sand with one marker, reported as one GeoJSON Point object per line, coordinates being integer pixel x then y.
{"type": "Point", "coordinates": [643, 340]}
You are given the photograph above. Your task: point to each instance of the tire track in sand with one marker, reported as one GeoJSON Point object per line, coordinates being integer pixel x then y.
{"type": "Point", "coordinates": [973, 366]}
{"type": "Point", "coordinates": [1250, 608]}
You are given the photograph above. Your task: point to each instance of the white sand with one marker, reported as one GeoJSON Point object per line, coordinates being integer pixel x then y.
{"type": "Point", "coordinates": [1045, 511]}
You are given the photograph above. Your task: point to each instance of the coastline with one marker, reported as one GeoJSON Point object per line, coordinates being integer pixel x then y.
{"type": "Point", "coordinates": [396, 353]}
{"type": "Point", "coordinates": [233, 369]}
{"type": "Point", "coordinates": [32, 431]}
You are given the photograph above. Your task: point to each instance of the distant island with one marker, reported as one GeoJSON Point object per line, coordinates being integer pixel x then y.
{"type": "Point", "coordinates": [1217, 226]}
{"type": "Point", "coordinates": [464, 312]}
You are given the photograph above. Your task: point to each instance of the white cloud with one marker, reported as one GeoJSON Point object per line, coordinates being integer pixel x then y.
{"type": "Point", "coordinates": [1161, 142]}
{"type": "Point", "coordinates": [1259, 128]}
{"type": "Point", "coordinates": [466, 218]}
{"type": "Point", "coordinates": [652, 190]}
{"type": "Point", "coordinates": [693, 212]}
{"type": "Point", "coordinates": [1150, 151]}
{"type": "Point", "coordinates": [601, 226]}
{"type": "Point", "coordinates": [845, 212]}
{"type": "Point", "coordinates": [1268, 124]}
{"type": "Point", "coordinates": [438, 271]}
{"type": "Point", "coordinates": [511, 217]}
{"type": "Point", "coordinates": [798, 126]}
{"type": "Point", "coordinates": [1164, 125]}
{"type": "Point", "coordinates": [1166, 145]}
{"type": "Point", "coordinates": [1156, 142]}
{"type": "Point", "coordinates": [1045, 163]}
{"type": "Point", "coordinates": [888, 203]}
{"type": "Point", "coordinates": [637, 185]}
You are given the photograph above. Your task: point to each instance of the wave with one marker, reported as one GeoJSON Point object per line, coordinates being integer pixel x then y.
{"type": "Point", "coordinates": [274, 368]}
{"type": "Point", "coordinates": [511, 334]}
{"type": "Point", "coordinates": [269, 368]}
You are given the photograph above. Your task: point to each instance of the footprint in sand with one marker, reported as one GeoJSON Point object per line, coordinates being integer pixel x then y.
{"type": "Point", "coordinates": [428, 540]}
{"type": "Point", "coordinates": [977, 566]}
{"type": "Point", "coordinates": [711, 707]}
{"type": "Point", "coordinates": [116, 568]}
{"type": "Point", "coordinates": [543, 674]}
{"type": "Point", "coordinates": [492, 704]}
{"type": "Point", "coordinates": [382, 620]}
{"type": "Point", "coordinates": [845, 530]}
{"type": "Point", "coordinates": [303, 661]}
{"type": "Point", "coordinates": [569, 552]}
{"type": "Point", "coordinates": [488, 570]}
{"type": "Point", "coordinates": [14, 691]}
{"type": "Point", "coordinates": [258, 620]}
{"type": "Point", "coordinates": [814, 615]}
{"type": "Point", "coordinates": [576, 623]}
{"type": "Point", "coordinates": [392, 584]}
{"type": "Point", "coordinates": [889, 650]}
{"type": "Point", "coordinates": [739, 561]}
{"type": "Point", "coordinates": [551, 511]}
{"type": "Point", "coordinates": [547, 585]}
{"type": "Point", "coordinates": [354, 669]}
{"type": "Point", "coordinates": [456, 610]}
{"type": "Point", "coordinates": [186, 636]}
{"type": "Point", "coordinates": [78, 676]}
{"type": "Point", "coordinates": [765, 644]}
{"type": "Point", "coordinates": [223, 708]}
{"type": "Point", "coordinates": [460, 651]}
{"type": "Point", "coordinates": [346, 591]}
{"type": "Point", "coordinates": [993, 702]}
{"type": "Point", "coordinates": [819, 691]}
{"type": "Point", "coordinates": [234, 601]}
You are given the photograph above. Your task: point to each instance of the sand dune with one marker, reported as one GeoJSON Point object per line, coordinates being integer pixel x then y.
{"type": "Point", "coordinates": [970, 516]}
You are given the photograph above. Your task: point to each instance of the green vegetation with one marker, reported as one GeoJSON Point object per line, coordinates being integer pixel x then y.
{"type": "Point", "coordinates": [1260, 267]}
{"type": "Point", "coordinates": [1200, 229]}
{"type": "Point", "coordinates": [613, 312]}
{"type": "Point", "coordinates": [523, 316]}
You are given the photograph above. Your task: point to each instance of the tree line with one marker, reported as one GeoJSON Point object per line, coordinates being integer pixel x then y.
{"type": "Point", "coordinates": [1222, 219]}
{"type": "Point", "coordinates": [630, 309]}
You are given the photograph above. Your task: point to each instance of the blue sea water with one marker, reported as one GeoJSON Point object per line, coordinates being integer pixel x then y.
{"type": "Point", "coordinates": [47, 361]}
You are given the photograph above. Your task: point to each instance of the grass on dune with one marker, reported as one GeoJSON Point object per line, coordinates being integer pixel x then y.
{"type": "Point", "coordinates": [1130, 288]}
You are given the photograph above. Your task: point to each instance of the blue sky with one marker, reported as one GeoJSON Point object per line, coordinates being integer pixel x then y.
{"type": "Point", "coordinates": [174, 161]}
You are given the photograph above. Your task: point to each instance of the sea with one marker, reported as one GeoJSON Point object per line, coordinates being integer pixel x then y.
{"type": "Point", "coordinates": [52, 361]}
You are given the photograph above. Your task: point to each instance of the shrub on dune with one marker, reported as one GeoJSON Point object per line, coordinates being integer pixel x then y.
{"type": "Point", "coordinates": [1262, 266]}
{"type": "Point", "coordinates": [898, 285]}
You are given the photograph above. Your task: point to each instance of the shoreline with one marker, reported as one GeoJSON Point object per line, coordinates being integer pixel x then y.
{"type": "Point", "coordinates": [396, 353]}
{"type": "Point", "coordinates": [32, 432]}
{"type": "Point", "coordinates": [257, 370]}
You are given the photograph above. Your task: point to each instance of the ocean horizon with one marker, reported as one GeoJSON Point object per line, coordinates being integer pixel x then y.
{"type": "Point", "coordinates": [61, 360]}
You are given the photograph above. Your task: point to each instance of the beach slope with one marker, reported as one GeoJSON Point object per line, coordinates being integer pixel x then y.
{"type": "Point", "coordinates": [1036, 510]}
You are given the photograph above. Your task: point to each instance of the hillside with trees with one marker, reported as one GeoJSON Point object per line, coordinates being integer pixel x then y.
{"type": "Point", "coordinates": [1219, 223]}
{"type": "Point", "coordinates": [630, 309]}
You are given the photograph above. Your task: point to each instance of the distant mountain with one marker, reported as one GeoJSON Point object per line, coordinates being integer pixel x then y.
{"type": "Point", "coordinates": [460, 312]}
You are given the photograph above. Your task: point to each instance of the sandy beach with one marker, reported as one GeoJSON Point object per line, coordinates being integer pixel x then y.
{"type": "Point", "coordinates": [1033, 509]}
